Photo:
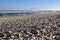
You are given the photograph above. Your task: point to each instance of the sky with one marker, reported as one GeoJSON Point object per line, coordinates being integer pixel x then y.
{"type": "Point", "coordinates": [29, 4]}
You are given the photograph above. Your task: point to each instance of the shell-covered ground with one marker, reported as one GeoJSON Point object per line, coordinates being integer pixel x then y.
{"type": "Point", "coordinates": [40, 23]}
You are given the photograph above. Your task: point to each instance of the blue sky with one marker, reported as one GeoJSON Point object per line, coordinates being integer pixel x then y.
{"type": "Point", "coordinates": [30, 4]}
